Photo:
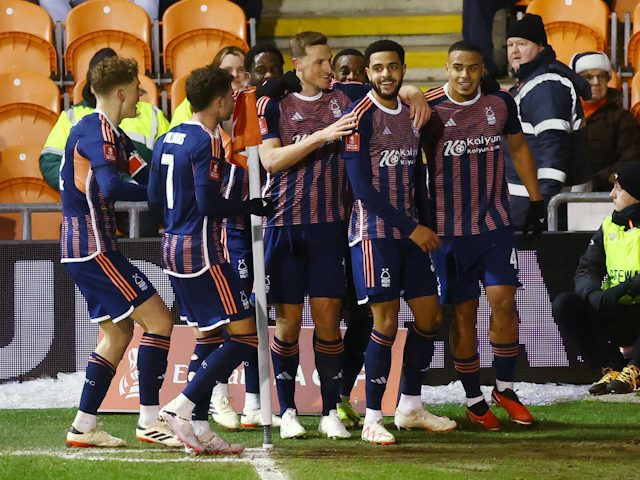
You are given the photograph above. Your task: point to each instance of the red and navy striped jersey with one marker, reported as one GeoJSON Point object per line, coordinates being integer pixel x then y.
{"type": "Point", "coordinates": [186, 157]}
{"type": "Point", "coordinates": [313, 190]}
{"type": "Point", "coordinates": [384, 167]}
{"type": "Point", "coordinates": [466, 162]}
{"type": "Point", "coordinates": [88, 221]}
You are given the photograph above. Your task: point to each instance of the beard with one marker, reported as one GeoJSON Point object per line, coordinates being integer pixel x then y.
{"type": "Point", "coordinates": [387, 96]}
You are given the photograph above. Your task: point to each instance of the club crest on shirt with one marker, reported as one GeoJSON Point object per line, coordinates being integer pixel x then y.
{"type": "Point", "coordinates": [352, 142]}
{"type": "Point", "coordinates": [491, 116]}
{"type": "Point", "coordinates": [263, 125]}
{"type": "Point", "coordinates": [335, 108]}
{"type": "Point", "coordinates": [214, 170]}
{"type": "Point", "coordinates": [110, 153]}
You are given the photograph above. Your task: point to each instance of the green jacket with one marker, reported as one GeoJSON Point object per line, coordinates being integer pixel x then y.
{"type": "Point", "coordinates": [143, 130]}
{"type": "Point", "coordinates": [182, 114]}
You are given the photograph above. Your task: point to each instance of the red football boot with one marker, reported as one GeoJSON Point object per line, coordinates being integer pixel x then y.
{"type": "Point", "coordinates": [512, 404]}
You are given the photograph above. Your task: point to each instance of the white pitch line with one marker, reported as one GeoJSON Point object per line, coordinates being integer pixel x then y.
{"type": "Point", "coordinates": [99, 458]}
{"type": "Point", "coordinates": [265, 467]}
{"type": "Point", "coordinates": [259, 458]}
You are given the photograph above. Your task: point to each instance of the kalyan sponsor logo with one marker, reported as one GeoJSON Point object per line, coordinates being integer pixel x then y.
{"type": "Point", "coordinates": [456, 148]}
{"type": "Point", "coordinates": [394, 157]}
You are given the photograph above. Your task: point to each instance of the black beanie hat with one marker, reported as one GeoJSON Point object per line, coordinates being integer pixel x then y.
{"type": "Point", "coordinates": [628, 176]}
{"type": "Point", "coordinates": [100, 55]}
{"type": "Point", "coordinates": [530, 27]}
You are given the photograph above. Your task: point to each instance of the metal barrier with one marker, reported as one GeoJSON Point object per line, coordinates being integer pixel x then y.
{"type": "Point", "coordinates": [26, 209]}
{"type": "Point", "coordinates": [568, 197]}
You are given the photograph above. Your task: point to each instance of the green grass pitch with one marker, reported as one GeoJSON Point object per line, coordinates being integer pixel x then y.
{"type": "Point", "coordinates": [578, 440]}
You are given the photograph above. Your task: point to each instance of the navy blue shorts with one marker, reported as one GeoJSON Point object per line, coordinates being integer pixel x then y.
{"type": "Point", "coordinates": [238, 251]}
{"type": "Point", "coordinates": [387, 268]}
{"type": "Point", "coordinates": [212, 299]}
{"type": "Point", "coordinates": [112, 287]}
{"type": "Point", "coordinates": [462, 262]}
{"type": "Point", "coordinates": [304, 259]}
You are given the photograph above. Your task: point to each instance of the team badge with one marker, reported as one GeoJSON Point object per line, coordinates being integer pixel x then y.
{"type": "Point", "coordinates": [491, 116]}
{"type": "Point", "coordinates": [110, 153]}
{"type": "Point", "coordinates": [214, 170]}
{"type": "Point", "coordinates": [263, 125]}
{"type": "Point", "coordinates": [335, 108]}
{"type": "Point", "coordinates": [385, 278]}
{"type": "Point", "coordinates": [352, 143]}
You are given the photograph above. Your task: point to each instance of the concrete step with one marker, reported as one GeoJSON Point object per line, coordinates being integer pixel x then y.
{"type": "Point", "coordinates": [279, 8]}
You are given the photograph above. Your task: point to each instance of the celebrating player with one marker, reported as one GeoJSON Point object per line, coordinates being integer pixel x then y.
{"type": "Point", "coordinates": [389, 244]}
{"type": "Point", "coordinates": [97, 156]}
{"type": "Point", "coordinates": [471, 217]}
{"type": "Point", "coordinates": [185, 185]}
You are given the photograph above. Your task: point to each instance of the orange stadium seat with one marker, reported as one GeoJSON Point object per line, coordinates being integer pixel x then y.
{"type": "Point", "coordinates": [573, 27]}
{"type": "Point", "coordinates": [634, 41]}
{"type": "Point", "coordinates": [29, 108]}
{"type": "Point", "coordinates": [26, 38]}
{"type": "Point", "coordinates": [178, 92]}
{"type": "Point", "coordinates": [635, 96]}
{"type": "Point", "coordinates": [20, 161]}
{"type": "Point", "coordinates": [44, 226]}
{"type": "Point", "coordinates": [97, 24]}
{"type": "Point", "coordinates": [146, 84]}
{"type": "Point", "coordinates": [195, 30]}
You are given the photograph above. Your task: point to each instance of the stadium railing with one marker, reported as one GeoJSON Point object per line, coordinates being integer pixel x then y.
{"type": "Point", "coordinates": [27, 209]}
{"type": "Point", "coordinates": [568, 197]}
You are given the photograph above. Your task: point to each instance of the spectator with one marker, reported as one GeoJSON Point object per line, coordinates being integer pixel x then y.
{"type": "Point", "coordinates": [613, 134]}
{"type": "Point", "coordinates": [597, 318]}
{"type": "Point", "coordinates": [263, 62]}
{"type": "Point", "coordinates": [546, 94]}
{"type": "Point", "coordinates": [477, 27]}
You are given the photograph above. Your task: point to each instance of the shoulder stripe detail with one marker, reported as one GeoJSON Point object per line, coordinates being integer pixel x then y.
{"type": "Point", "coordinates": [362, 108]}
{"type": "Point", "coordinates": [107, 132]}
{"type": "Point", "coordinates": [261, 105]}
{"type": "Point", "coordinates": [434, 94]}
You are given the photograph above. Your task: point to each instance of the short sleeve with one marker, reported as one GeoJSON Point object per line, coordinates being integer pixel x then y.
{"type": "Point", "coordinates": [512, 125]}
{"type": "Point", "coordinates": [269, 119]}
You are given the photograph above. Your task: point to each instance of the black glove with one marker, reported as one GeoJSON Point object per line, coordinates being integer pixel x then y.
{"type": "Point", "coordinates": [262, 207]}
{"type": "Point", "coordinates": [603, 300]}
{"type": "Point", "coordinates": [488, 84]}
{"type": "Point", "coordinates": [277, 87]}
{"type": "Point", "coordinates": [633, 286]}
{"type": "Point", "coordinates": [535, 220]}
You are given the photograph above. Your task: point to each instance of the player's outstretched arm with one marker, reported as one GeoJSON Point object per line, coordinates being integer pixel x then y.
{"type": "Point", "coordinates": [115, 188]}
{"type": "Point", "coordinates": [419, 107]}
{"type": "Point", "coordinates": [276, 158]}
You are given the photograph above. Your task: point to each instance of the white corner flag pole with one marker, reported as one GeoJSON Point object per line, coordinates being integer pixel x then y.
{"type": "Point", "coordinates": [260, 292]}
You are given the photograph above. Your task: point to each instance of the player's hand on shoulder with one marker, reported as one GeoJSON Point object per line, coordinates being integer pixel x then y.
{"type": "Point", "coordinates": [419, 108]}
{"type": "Point", "coordinates": [262, 207]}
{"type": "Point", "coordinates": [340, 128]}
{"type": "Point", "coordinates": [425, 238]}
{"type": "Point", "coordinates": [278, 87]}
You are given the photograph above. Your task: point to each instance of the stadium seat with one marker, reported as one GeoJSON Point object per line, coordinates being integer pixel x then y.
{"type": "Point", "coordinates": [97, 24]}
{"type": "Point", "coordinates": [146, 84]}
{"type": "Point", "coordinates": [178, 92]}
{"type": "Point", "coordinates": [20, 161]}
{"type": "Point", "coordinates": [195, 30]}
{"type": "Point", "coordinates": [44, 226]}
{"type": "Point", "coordinates": [635, 96]}
{"type": "Point", "coordinates": [26, 38]}
{"type": "Point", "coordinates": [634, 41]}
{"type": "Point", "coordinates": [573, 27]}
{"type": "Point", "coordinates": [29, 108]}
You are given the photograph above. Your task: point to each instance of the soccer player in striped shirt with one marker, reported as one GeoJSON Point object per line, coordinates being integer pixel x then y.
{"type": "Point", "coordinates": [389, 242]}
{"type": "Point", "coordinates": [97, 156]}
{"type": "Point", "coordinates": [185, 184]}
{"type": "Point", "coordinates": [470, 209]}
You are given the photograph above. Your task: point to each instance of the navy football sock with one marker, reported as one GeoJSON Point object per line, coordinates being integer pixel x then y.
{"type": "Point", "coordinates": [469, 374]}
{"type": "Point", "coordinates": [418, 352]}
{"type": "Point", "coordinates": [98, 377]}
{"type": "Point", "coordinates": [377, 360]}
{"type": "Point", "coordinates": [286, 358]}
{"type": "Point", "coordinates": [329, 357]}
{"type": "Point", "coordinates": [251, 377]}
{"type": "Point", "coordinates": [152, 365]}
{"type": "Point", "coordinates": [505, 357]}
{"type": "Point", "coordinates": [204, 347]}
{"type": "Point", "coordinates": [219, 364]}
{"type": "Point", "coordinates": [356, 339]}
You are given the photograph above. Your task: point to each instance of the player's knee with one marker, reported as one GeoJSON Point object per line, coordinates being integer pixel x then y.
{"type": "Point", "coordinates": [287, 330]}
{"type": "Point", "coordinates": [387, 326]}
